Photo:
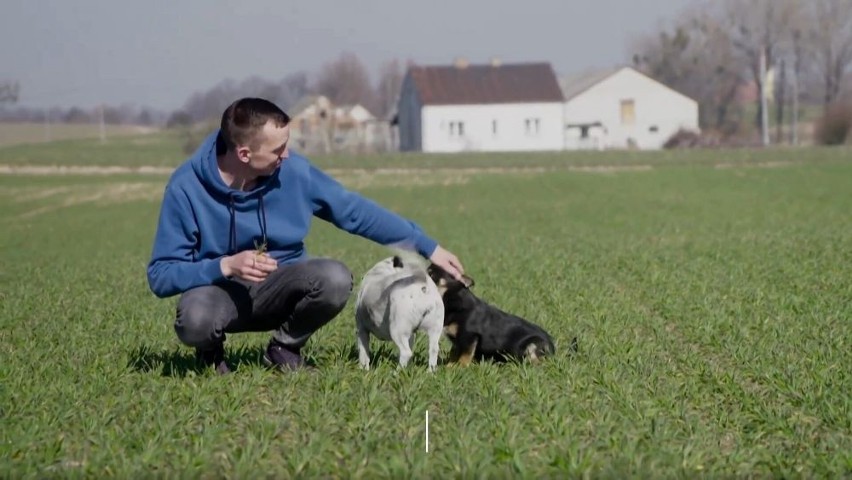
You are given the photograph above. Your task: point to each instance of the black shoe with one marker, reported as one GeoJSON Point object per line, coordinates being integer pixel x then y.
{"type": "Point", "coordinates": [213, 357]}
{"type": "Point", "coordinates": [283, 357]}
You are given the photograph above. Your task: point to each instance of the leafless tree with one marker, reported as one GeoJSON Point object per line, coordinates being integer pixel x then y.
{"type": "Point", "coordinates": [345, 81]}
{"type": "Point", "coordinates": [209, 104]}
{"type": "Point", "coordinates": [389, 87]}
{"type": "Point", "coordinates": [9, 92]}
{"type": "Point", "coordinates": [760, 27]}
{"type": "Point", "coordinates": [830, 36]}
{"type": "Point", "coordinates": [696, 58]}
{"type": "Point", "coordinates": [292, 88]}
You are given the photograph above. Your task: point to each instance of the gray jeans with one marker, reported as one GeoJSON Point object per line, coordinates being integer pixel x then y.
{"type": "Point", "coordinates": [294, 301]}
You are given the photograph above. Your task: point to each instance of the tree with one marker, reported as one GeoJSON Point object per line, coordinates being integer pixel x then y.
{"type": "Point", "coordinates": [209, 105]}
{"type": "Point", "coordinates": [831, 41]}
{"type": "Point", "coordinates": [760, 28]}
{"type": "Point", "coordinates": [345, 81]}
{"type": "Point", "coordinates": [291, 89]}
{"type": "Point", "coordinates": [179, 118]}
{"type": "Point", "coordinates": [695, 57]}
{"type": "Point", "coordinates": [389, 87]}
{"type": "Point", "coordinates": [9, 92]}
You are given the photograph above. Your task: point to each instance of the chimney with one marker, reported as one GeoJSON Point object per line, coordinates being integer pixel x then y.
{"type": "Point", "coordinates": [496, 62]}
{"type": "Point", "coordinates": [461, 63]}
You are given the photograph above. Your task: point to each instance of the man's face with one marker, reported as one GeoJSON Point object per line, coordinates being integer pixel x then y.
{"type": "Point", "coordinates": [271, 148]}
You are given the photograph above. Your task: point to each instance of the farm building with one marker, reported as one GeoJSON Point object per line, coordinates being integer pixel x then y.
{"type": "Point", "coordinates": [492, 107]}
{"type": "Point", "coordinates": [318, 125]}
{"type": "Point", "coordinates": [524, 107]}
{"type": "Point", "coordinates": [623, 108]}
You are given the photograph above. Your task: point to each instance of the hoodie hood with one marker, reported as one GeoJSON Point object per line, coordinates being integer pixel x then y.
{"type": "Point", "coordinates": [206, 167]}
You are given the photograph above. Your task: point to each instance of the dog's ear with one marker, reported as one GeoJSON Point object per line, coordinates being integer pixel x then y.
{"type": "Point", "coordinates": [467, 282]}
{"type": "Point", "coordinates": [397, 262]}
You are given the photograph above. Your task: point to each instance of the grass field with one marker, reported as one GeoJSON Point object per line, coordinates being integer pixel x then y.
{"type": "Point", "coordinates": [712, 307]}
{"type": "Point", "coordinates": [12, 133]}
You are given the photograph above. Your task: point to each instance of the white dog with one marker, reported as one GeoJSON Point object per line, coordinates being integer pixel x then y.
{"type": "Point", "coordinates": [394, 301]}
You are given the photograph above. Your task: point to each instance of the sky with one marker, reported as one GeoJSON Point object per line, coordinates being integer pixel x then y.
{"type": "Point", "coordinates": [157, 53]}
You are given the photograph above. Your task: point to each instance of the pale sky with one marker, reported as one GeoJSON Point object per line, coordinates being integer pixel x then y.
{"type": "Point", "coordinates": [158, 52]}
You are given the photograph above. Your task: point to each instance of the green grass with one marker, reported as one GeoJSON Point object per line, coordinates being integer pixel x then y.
{"type": "Point", "coordinates": [165, 150]}
{"type": "Point", "coordinates": [19, 133]}
{"type": "Point", "coordinates": [712, 308]}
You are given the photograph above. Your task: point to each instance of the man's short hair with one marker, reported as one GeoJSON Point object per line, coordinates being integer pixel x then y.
{"type": "Point", "coordinates": [245, 118]}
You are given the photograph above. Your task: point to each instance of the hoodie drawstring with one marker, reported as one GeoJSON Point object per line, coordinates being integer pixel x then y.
{"type": "Point", "coordinates": [232, 240]}
{"type": "Point", "coordinates": [261, 211]}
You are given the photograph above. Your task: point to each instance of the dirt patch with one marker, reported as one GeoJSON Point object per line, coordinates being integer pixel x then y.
{"type": "Point", "coordinates": [354, 172]}
{"type": "Point", "coordinates": [757, 165]}
{"type": "Point", "coordinates": [102, 194]}
{"type": "Point", "coordinates": [82, 170]}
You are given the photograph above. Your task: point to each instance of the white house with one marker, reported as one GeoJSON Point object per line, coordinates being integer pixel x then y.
{"type": "Point", "coordinates": [486, 108]}
{"type": "Point", "coordinates": [623, 108]}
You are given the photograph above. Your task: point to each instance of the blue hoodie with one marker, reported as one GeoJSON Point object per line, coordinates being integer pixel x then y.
{"type": "Point", "coordinates": [202, 219]}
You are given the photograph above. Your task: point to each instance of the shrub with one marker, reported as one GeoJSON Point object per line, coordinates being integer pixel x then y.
{"type": "Point", "coordinates": [835, 125]}
{"type": "Point", "coordinates": [690, 139]}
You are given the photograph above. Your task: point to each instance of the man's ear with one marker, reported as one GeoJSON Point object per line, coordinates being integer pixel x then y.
{"type": "Point", "coordinates": [243, 153]}
{"type": "Point", "coordinates": [467, 281]}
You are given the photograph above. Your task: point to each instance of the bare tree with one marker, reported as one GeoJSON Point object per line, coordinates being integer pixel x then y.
{"type": "Point", "coordinates": [292, 88]}
{"type": "Point", "coordinates": [209, 104]}
{"type": "Point", "coordinates": [389, 87]}
{"type": "Point", "coordinates": [9, 92]}
{"type": "Point", "coordinates": [697, 59]}
{"type": "Point", "coordinates": [831, 39]}
{"type": "Point", "coordinates": [345, 81]}
{"type": "Point", "coordinates": [760, 28]}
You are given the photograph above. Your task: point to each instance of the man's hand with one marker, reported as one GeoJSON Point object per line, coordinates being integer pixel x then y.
{"type": "Point", "coordinates": [448, 262]}
{"type": "Point", "coordinates": [248, 265]}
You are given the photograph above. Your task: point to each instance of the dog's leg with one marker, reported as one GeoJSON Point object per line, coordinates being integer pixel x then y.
{"type": "Point", "coordinates": [531, 353]}
{"type": "Point", "coordinates": [363, 340]}
{"type": "Point", "coordinates": [467, 354]}
{"type": "Point", "coordinates": [454, 354]}
{"type": "Point", "coordinates": [401, 336]}
{"type": "Point", "coordinates": [434, 334]}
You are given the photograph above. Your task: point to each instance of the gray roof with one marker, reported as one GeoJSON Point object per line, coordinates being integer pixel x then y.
{"type": "Point", "coordinates": [573, 85]}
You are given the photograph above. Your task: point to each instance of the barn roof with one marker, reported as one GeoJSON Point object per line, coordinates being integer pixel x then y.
{"type": "Point", "coordinates": [573, 85]}
{"type": "Point", "coordinates": [486, 84]}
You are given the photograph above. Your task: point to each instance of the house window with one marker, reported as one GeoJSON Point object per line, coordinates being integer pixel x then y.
{"type": "Point", "coordinates": [456, 129]}
{"type": "Point", "coordinates": [494, 127]}
{"type": "Point", "coordinates": [531, 126]}
{"type": "Point", "coordinates": [628, 112]}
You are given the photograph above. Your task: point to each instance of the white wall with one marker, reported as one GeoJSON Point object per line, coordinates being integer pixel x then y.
{"type": "Point", "coordinates": [441, 132]}
{"type": "Point", "coordinates": [655, 106]}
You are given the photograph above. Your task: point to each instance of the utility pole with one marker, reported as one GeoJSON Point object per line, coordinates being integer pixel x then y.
{"type": "Point", "coordinates": [103, 127]}
{"type": "Point", "coordinates": [780, 101]}
{"type": "Point", "coordinates": [764, 114]}
{"type": "Point", "coordinates": [46, 124]}
{"type": "Point", "coordinates": [794, 130]}
{"type": "Point", "coordinates": [797, 66]}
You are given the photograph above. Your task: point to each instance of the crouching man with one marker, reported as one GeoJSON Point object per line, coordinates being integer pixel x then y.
{"type": "Point", "coordinates": [230, 239]}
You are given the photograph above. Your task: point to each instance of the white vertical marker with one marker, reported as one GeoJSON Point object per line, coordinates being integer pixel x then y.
{"type": "Point", "coordinates": [427, 431]}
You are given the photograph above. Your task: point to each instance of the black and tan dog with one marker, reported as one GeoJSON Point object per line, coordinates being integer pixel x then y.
{"type": "Point", "coordinates": [480, 331]}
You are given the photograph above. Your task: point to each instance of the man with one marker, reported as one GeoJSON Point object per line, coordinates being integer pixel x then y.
{"type": "Point", "coordinates": [231, 232]}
